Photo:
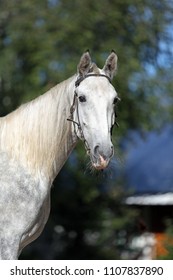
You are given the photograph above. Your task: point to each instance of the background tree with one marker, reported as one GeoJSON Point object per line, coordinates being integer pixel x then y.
{"type": "Point", "coordinates": [40, 45]}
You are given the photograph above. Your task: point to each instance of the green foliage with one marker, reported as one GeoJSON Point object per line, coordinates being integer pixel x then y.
{"type": "Point", "coordinates": [168, 245]}
{"type": "Point", "coordinates": [40, 45]}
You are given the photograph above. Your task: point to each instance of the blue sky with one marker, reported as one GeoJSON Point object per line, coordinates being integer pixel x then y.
{"type": "Point", "coordinates": [149, 164]}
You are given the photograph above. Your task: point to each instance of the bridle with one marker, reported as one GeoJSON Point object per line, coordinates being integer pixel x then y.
{"type": "Point", "coordinates": [80, 79]}
{"type": "Point", "coordinates": [75, 106]}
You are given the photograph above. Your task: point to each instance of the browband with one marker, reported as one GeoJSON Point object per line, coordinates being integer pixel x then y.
{"type": "Point", "coordinates": [80, 79]}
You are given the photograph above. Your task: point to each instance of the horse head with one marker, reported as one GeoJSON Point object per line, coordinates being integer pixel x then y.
{"type": "Point", "coordinates": [94, 108]}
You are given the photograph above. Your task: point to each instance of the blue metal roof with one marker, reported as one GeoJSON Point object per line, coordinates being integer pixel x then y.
{"type": "Point", "coordinates": [149, 163]}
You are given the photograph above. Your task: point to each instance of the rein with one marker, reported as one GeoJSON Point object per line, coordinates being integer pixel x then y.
{"type": "Point", "coordinates": [74, 107]}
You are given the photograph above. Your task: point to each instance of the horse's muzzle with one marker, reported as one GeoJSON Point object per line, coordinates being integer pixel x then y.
{"type": "Point", "coordinates": [101, 163]}
{"type": "Point", "coordinates": [100, 160]}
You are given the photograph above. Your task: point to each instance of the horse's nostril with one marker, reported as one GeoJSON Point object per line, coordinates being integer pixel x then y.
{"type": "Point", "coordinates": [96, 150]}
{"type": "Point", "coordinates": [112, 151]}
{"type": "Point", "coordinates": [105, 153]}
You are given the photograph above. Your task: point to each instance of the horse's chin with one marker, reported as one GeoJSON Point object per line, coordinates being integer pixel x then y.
{"type": "Point", "coordinates": [100, 163]}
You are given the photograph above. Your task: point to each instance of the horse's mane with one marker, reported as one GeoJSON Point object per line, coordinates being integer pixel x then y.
{"type": "Point", "coordinates": [36, 130]}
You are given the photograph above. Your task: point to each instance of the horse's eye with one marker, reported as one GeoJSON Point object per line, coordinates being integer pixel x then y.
{"type": "Point", "coordinates": [115, 100]}
{"type": "Point", "coordinates": [82, 98]}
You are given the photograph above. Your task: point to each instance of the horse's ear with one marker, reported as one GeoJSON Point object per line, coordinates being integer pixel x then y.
{"type": "Point", "coordinates": [110, 66]}
{"type": "Point", "coordinates": [84, 64]}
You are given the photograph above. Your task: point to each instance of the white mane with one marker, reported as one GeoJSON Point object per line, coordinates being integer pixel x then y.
{"type": "Point", "coordinates": [34, 132]}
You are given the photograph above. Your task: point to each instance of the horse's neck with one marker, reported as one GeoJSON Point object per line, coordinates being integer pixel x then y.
{"type": "Point", "coordinates": [38, 133]}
